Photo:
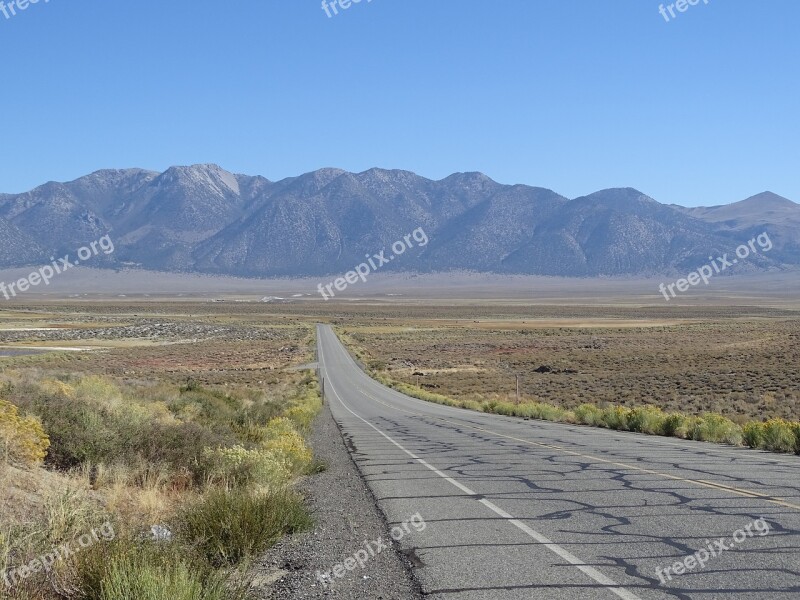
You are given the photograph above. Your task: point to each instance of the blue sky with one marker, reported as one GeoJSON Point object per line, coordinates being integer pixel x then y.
{"type": "Point", "coordinates": [574, 95]}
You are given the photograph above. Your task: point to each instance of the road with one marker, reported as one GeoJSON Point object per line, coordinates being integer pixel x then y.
{"type": "Point", "coordinates": [519, 509]}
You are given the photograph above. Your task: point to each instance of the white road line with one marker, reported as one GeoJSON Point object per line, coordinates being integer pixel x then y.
{"type": "Point", "coordinates": [612, 585]}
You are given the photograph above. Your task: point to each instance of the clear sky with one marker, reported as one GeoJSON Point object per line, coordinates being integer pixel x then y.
{"type": "Point", "coordinates": [573, 95]}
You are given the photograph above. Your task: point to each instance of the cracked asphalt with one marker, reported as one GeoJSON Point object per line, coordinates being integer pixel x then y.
{"type": "Point", "coordinates": [528, 509]}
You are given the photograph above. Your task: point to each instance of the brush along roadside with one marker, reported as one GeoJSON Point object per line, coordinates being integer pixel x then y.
{"type": "Point", "coordinates": [214, 468]}
{"type": "Point", "coordinates": [774, 435]}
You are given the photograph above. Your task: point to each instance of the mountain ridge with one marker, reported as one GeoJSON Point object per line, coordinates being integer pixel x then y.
{"type": "Point", "coordinates": [204, 219]}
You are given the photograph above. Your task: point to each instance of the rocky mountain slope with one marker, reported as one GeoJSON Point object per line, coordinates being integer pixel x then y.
{"type": "Point", "coordinates": [207, 220]}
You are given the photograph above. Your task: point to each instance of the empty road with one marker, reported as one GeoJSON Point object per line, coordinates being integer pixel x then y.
{"type": "Point", "coordinates": [520, 509]}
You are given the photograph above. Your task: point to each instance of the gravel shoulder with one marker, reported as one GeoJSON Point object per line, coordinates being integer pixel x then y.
{"type": "Point", "coordinates": [346, 519]}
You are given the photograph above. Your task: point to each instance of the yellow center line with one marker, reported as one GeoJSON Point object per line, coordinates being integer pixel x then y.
{"type": "Point", "coordinates": [699, 482]}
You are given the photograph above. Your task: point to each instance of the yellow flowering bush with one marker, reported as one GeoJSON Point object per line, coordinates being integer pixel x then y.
{"type": "Point", "coordinates": [288, 445]}
{"type": "Point", "coordinates": [22, 439]}
{"type": "Point", "coordinates": [99, 390]}
{"type": "Point", "coordinates": [55, 387]}
{"type": "Point", "coordinates": [302, 414]}
{"type": "Point", "coordinates": [239, 467]}
{"type": "Point", "coordinates": [305, 406]}
{"type": "Point", "coordinates": [779, 436]}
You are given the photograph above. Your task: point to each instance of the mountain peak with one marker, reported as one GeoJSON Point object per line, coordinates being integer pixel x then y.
{"type": "Point", "coordinates": [618, 197]}
{"type": "Point", "coordinates": [766, 200]}
{"type": "Point", "coordinates": [764, 209]}
{"type": "Point", "coordinates": [325, 175]}
{"type": "Point", "coordinates": [208, 174]}
{"type": "Point", "coordinates": [475, 177]}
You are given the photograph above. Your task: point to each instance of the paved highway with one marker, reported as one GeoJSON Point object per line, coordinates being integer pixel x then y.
{"type": "Point", "coordinates": [527, 509]}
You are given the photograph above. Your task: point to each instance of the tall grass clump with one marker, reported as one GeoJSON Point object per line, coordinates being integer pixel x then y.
{"type": "Point", "coordinates": [130, 569]}
{"type": "Point", "coordinates": [511, 410]}
{"type": "Point", "coordinates": [229, 527]}
{"type": "Point", "coordinates": [472, 405]}
{"type": "Point", "coordinates": [126, 580]}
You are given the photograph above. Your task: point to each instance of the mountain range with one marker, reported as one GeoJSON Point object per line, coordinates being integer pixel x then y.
{"type": "Point", "coordinates": [203, 219]}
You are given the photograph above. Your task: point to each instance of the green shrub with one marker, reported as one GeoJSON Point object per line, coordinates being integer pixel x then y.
{"type": "Point", "coordinates": [530, 410]}
{"type": "Point", "coordinates": [238, 467]}
{"type": "Point", "coordinates": [716, 428]}
{"type": "Point", "coordinates": [796, 431]}
{"type": "Point", "coordinates": [208, 407]}
{"type": "Point", "coordinates": [472, 405]}
{"type": "Point", "coordinates": [589, 414]}
{"type": "Point", "coordinates": [416, 392]}
{"type": "Point", "coordinates": [229, 527]}
{"type": "Point", "coordinates": [753, 434]}
{"type": "Point", "coordinates": [316, 467]}
{"type": "Point", "coordinates": [646, 419]}
{"type": "Point", "coordinates": [548, 412]}
{"type": "Point", "coordinates": [305, 406]}
{"type": "Point", "coordinates": [674, 425]}
{"type": "Point", "coordinates": [616, 417]}
{"type": "Point", "coordinates": [508, 409]}
{"type": "Point", "coordinates": [83, 433]}
{"type": "Point", "coordinates": [527, 410]}
{"type": "Point", "coordinates": [97, 390]}
{"type": "Point", "coordinates": [178, 445]}
{"type": "Point", "coordinates": [79, 432]}
{"type": "Point", "coordinates": [690, 427]}
{"type": "Point", "coordinates": [778, 436]}
{"type": "Point", "coordinates": [258, 415]}
{"type": "Point", "coordinates": [286, 442]}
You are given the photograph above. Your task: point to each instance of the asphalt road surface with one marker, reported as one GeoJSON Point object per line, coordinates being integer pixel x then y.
{"type": "Point", "coordinates": [519, 509]}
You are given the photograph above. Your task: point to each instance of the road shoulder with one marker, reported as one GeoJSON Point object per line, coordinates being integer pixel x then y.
{"type": "Point", "coordinates": [346, 520]}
